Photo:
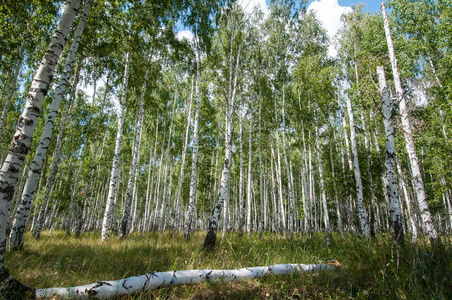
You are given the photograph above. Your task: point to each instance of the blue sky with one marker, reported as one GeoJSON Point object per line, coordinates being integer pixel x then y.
{"type": "Point", "coordinates": [327, 11]}
{"type": "Point", "coordinates": [369, 5]}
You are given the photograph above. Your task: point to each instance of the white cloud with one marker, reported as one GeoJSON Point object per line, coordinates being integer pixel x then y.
{"type": "Point", "coordinates": [248, 5]}
{"type": "Point", "coordinates": [329, 13]}
{"type": "Point", "coordinates": [185, 34]}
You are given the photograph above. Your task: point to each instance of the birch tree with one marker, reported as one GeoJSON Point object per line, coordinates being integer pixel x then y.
{"type": "Point", "coordinates": [359, 186]}
{"type": "Point", "coordinates": [113, 186]}
{"type": "Point", "coordinates": [234, 20]}
{"type": "Point", "coordinates": [390, 163]}
{"type": "Point", "coordinates": [20, 145]}
{"type": "Point", "coordinates": [21, 216]}
{"type": "Point", "coordinates": [133, 165]}
{"type": "Point", "coordinates": [418, 183]}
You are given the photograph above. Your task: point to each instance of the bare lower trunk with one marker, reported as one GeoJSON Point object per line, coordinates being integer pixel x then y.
{"type": "Point", "coordinates": [394, 209]}
{"type": "Point", "coordinates": [418, 183]}
{"type": "Point", "coordinates": [135, 158]}
{"type": "Point", "coordinates": [209, 241]}
{"type": "Point", "coordinates": [250, 183]}
{"type": "Point", "coordinates": [114, 179]}
{"type": "Point", "coordinates": [326, 218]}
{"type": "Point", "coordinates": [21, 143]}
{"type": "Point", "coordinates": [182, 163]}
{"type": "Point", "coordinates": [194, 175]}
{"type": "Point", "coordinates": [359, 186]}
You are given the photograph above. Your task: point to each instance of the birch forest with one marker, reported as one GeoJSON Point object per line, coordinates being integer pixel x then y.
{"type": "Point", "coordinates": [202, 123]}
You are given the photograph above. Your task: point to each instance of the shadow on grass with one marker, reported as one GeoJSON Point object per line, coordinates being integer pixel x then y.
{"type": "Point", "coordinates": [371, 269]}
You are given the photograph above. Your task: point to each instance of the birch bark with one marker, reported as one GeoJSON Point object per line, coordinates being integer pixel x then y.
{"type": "Point", "coordinates": [241, 178]}
{"type": "Point", "coordinates": [133, 166]}
{"type": "Point", "coordinates": [249, 184]}
{"type": "Point", "coordinates": [211, 236]}
{"type": "Point", "coordinates": [326, 218]}
{"type": "Point", "coordinates": [359, 186]}
{"type": "Point", "coordinates": [394, 209]}
{"type": "Point", "coordinates": [156, 280]}
{"type": "Point", "coordinates": [182, 162]}
{"type": "Point", "coordinates": [21, 142]}
{"type": "Point", "coordinates": [288, 170]}
{"type": "Point", "coordinates": [418, 183]}
{"type": "Point", "coordinates": [195, 141]}
{"type": "Point", "coordinates": [114, 179]}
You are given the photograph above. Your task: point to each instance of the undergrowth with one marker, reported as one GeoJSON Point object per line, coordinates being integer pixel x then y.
{"type": "Point", "coordinates": [371, 269]}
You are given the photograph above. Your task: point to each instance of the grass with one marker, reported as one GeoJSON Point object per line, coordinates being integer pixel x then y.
{"type": "Point", "coordinates": [371, 269]}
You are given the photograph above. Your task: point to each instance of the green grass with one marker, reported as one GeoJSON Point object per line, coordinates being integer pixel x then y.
{"type": "Point", "coordinates": [371, 269]}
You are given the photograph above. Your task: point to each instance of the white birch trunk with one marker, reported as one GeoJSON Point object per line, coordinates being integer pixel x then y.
{"type": "Point", "coordinates": [418, 183]}
{"type": "Point", "coordinates": [135, 159]}
{"type": "Point", "coordinates": [359, 186]}
{"type": "Point", "coordinates": [114, 179]}
{"type": "Point", "coordinates": [281, 199]}
{"type": "Point", "coordinates": [326, 218]}
{"type": "Point", "coordinates": [275, 206]}
{"type": "Point", "coordinates": [394, 209]}
{"type": "Point", "coordinates": [411, 212]}
{"type": "Point", "coordinates": [211, 236]}
{"type": "Point", "coordinates": [157, 280]}
{"type": "Point", "coordinates": [27, 122]}
{"type": "Point", "coordinates": [249, 183]}
{"type": "Point", "coordinates": [165, 174]}
{"type": "Point", "coordinates": [21, 217]}
{"type": "Point", "coordinates": [241, 178]}
{"type": "Point", "coordinates": [336, 200]}
{"type": "Point", "coordinates": [195, 141]}
{"type": "Point", "coordinates": [182, 162]}
{"type": "Point", "coordinates": [288, 170]}
{"type": "Point", "coordinates": [262, 205]}
{"type": "Point", "coordinates": [22, 214]}
{"type": "Point", "coordinates": [306, 200]}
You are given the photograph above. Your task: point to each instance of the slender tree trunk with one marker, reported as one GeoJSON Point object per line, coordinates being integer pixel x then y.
{"type": "Point", "coordinates": [336, 200]}
{"type": "Point", "coordinates": [282, 225]}
{"type": "Point", "coordinates": [250, 183]}
{"type": "Point", "coordinates": [182, 162]}
{"type": "Point", "coordinates": [368, 146]}
{"type": "Point", "coordinates": [112, 191]}
{"type": "Point", "coordinates": [359, 186]}
{"type": "Point", "coordinates": [195, 141]}
{"type": "Point", "coordinates": [165, 174]}
{"type": "Point", "coordinates": [275, 206]}
{"type": "Point", "coordinates": [211, 236]}
{"type": "Point", "coordinates": [262, 205]}
{"type": "Point", "coordinates": [21, 217]}
{"type": "Point", "coordinates": [326, 218]}
{"type": "Point", "coordinates": [288, 170]}
{"type": "Point", "coordinates": [21, 141]}
{"type": "Point", "coordinates": [75, 202]}
{"type": "Point", "coordinates": [306, 200]}
{"type": "Point", "coordinates": [410, 209]}
{"type": "Point", "coordinates": [394, 209]}
{"type": "Point", "coordinates": [418, 183]}
{"type": "Point", "coordinates": [135, 158]}
{"type": "Point", "coordinates": [241, 178]}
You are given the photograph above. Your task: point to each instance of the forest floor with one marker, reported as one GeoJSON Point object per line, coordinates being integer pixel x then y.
{"type": "Point", "coordinates": [371, 269]}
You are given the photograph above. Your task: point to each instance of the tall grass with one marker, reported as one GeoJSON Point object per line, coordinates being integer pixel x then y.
{"type": "Point", "coordinates": [371, 269]}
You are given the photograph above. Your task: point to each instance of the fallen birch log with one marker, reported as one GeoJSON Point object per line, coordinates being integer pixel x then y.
{"type": "Point", "coordinates": [156, 280]}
